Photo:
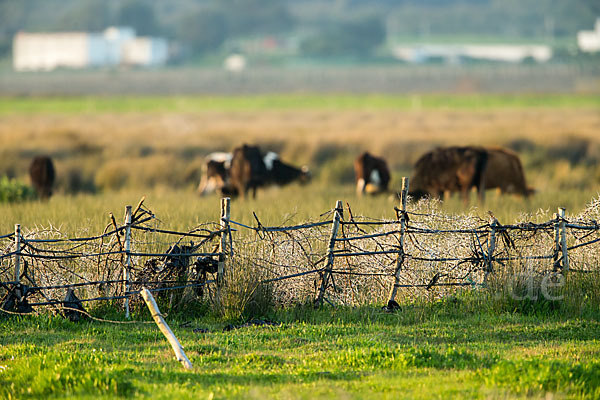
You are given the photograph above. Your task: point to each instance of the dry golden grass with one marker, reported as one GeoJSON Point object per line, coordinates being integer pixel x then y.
{"type": "Point", "coordinates": [154, 152]}
{"type": "Point", "coordinates": [302, 136]}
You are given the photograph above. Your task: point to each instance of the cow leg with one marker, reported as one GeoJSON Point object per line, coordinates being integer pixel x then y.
{"type": "Point", "coordinates": [207, 186]}
{"type": "Point", "coordinates": [360, 186]}
{"type": "Point", "coordinates": [464, 194]}
{"type": "Point", "coordinates": [481, 194]}
{"type": "Point", "coordinates": [242, 190]}
{"type": "Point", "coordinates": [202, 186]}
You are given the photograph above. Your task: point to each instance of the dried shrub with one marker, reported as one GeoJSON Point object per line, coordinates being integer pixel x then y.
{"type": "Point", "coordinates": [243, 293]}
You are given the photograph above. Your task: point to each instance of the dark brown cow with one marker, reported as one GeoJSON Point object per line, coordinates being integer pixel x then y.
{"type": "Point", "coordinates": [452, 169]}
{"type": "Point", "coordinates": [248, 170]}
{"type": "Point", "coordinates": [42, 174]}
{"type": "Point", "coordinates": [504, 171]}
{"type": "Point", "coordinates": [371, 173]}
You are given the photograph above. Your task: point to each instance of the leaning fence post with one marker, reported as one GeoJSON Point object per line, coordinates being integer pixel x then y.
{"type": "Point", "coordinates": [224, 221]}
{"type": "Point", "coordinates": [337, 217]}
{"type": "Point", "coordinates": [18, 255]}
{"type": "Point", "coordinates": [491, 247]}
{"type": "Point", "coordinates": [563, 240]}
{"type": "Point", "coordinates": [400, 260]}
{"type": "Point", "coordinates": [127, 267]}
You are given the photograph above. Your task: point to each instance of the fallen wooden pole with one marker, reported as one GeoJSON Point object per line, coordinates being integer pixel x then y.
{"type": "Point", "coordinates": [164, 328]}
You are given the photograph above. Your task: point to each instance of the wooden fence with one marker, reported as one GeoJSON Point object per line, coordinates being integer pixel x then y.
{"type": "Point", "coordinates": [339, 258]}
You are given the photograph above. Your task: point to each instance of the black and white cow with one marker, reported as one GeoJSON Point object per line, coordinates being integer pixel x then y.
{"type": "Point", "coordinates": [247, 168]}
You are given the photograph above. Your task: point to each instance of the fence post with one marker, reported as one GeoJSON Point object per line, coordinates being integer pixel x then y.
{"type": "Point", "coordinates": [556, 255]}
{"type": "Point", "coordinates": [127, 267]}
{"type": "Point", "coordinates": [392, 304]}
{"type": "Point", "coordinates": [18, 259]}
{"type": "Point", "coordinates": [563, 240]}
{"type": "Point", "coordinates": [337, 217]}
{"type": "Point", "coordinates": [491, 247]}
{"type": "Point", "coordinates": [224, 221]}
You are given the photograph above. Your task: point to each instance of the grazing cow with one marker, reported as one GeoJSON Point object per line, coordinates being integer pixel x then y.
{"type": "Point", "coordinates": [42, 174]}
{"type": "Point", "coordinates": [372, 174]}
{"type": "Point", "coordinates": [215, 173]}
{"type": "Point", "coordinates": [453, 169]}
{"type": "Point", "coordinates": [248, 170]}
{"type": "Point", "coordinates": [280, 173]}
{"type": "Point", "coordinates": [504, 171]}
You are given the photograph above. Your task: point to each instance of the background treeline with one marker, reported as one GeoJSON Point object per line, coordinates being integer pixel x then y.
{"type": "Point", "coordinates": [313, 27]}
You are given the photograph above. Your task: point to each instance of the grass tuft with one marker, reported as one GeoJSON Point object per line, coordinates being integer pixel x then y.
{"type": "Point", "coordinates": [536, 375]}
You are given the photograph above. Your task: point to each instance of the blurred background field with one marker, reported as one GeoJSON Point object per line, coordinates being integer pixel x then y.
{"type": "Point", "coordinates": [109, 151]}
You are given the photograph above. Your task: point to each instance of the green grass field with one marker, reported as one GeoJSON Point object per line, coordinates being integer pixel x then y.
{"type": "Point", "coordinates": [186, 104]}
{"type": "Point", "coordinates": [439, 350]}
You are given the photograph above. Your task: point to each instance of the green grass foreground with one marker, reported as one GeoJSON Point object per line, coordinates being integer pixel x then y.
{"type": "Point", "coordinates": [437, 350]}
{"type": "Point", "coordinates": [192, 104]}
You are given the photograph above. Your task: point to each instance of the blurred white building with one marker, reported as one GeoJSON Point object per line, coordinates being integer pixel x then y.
{"type": "Point", "coordinates": [589, 41]}
{"type": "Point", "coordinates": [458, 52]}
{"type": "Point", "coordinates": [115, 46]}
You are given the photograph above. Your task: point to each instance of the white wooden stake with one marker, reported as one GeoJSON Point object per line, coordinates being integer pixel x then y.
{"type": "Point", "coordinates": [164, 328]}
{"type": "Point", "coordinates": [127, 267]}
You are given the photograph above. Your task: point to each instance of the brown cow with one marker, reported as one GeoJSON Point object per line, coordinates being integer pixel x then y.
{"type": "Point", "coordinates": [215, 173]}
{"type": "Point", "coordinates": [248, 170]}
{"type": "Point", "coordinates": [42, 174]}
{"type": "Point", "coordinates": [371, 173]}
{"type": "Point", "coordinates": [452, 169]}
{"type": "Point", "coordinates": [504, 171]}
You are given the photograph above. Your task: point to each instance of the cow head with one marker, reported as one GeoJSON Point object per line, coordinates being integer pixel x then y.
{"type": "Point", "coordinates": [305, 175]}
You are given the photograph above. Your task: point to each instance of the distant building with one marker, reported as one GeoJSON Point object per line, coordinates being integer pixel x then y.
{"type": "Point", "coordinates": [457, 53]}
{"type": "Point", "coordinates": [589, 41]}
{"type": "Point", "coordinates": [145, 51]}
{"type": "Point", "coordinates": [235, 63]}
{"type": "Point", "coordinates": [115, 46]}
